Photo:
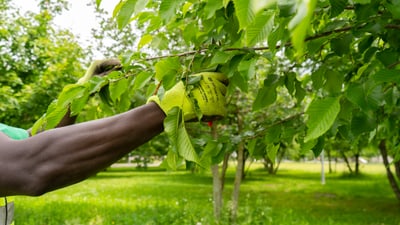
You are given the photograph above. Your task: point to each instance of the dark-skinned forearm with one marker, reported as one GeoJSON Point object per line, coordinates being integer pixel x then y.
{"type": "Point", "coordinates": [67, 155]}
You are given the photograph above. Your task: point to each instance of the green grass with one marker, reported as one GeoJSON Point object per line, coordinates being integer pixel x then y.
{"type": "Point", "coordinates": [294, 196]}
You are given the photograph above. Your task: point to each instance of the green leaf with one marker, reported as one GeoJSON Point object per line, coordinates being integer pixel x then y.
{"type": "Point", "coordinates": [117, 88]}
{"type": "Point", "coordinates": [390, 76]}
{"type": "Point", "coordinates": [388, 57]}
{"type": "Point", "coordinates": [361, 123]}
{"type": "Point", "coordinates": [334, 81]}
{"type": "Point", "coordinates": [341, 45]}
{"type": "Point", "coordinates": [321, 115]}
{"type": "Point", "coordinates": [337, 7]}
{"type": "Point", "coordinates": [211, 7]}
{"type": "Point", "coordinates": [54, 115]}
{"type": "Point", "coordinates": [244, 12]}
{"type": "Point", "coordinates": [362, 1]}
{"type": "Point", "coordinates": [79, 103]}
{"type": "Point", "coordinates": [259, 30]}
{"type": "Point", "coordinates": [125, 12]}
{"type": "Point", "coordinates": [272, 150]}
{"type": "Point", "coordinates": [178, 136]}
{"type": "Point", "coordinates": [142, 79]}
{"type": "Point", "coordinates": [69, 93]}
{"type": "Point", "coordinates": [98, 2]}
{"type": "Point", "coordinates": [319, 146]}
{"type": "Point", "coordinates": [265, 97]}
{"type": "Point", "coordinates": [168, 9]}
{"type": "Point", "coordinates": [300, 24]}
{"type": "Point", "coordinates": [366, 96]}
{"type": "Point", "coordinates": [146, 39]}
{"type": "Point", "coordinates": [166, 67]}
{"type": "Point", "coordinates": [220, 57]}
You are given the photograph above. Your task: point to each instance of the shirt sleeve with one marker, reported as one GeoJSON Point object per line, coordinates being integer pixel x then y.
{"type": "Point", "coordinates": [14, 132]}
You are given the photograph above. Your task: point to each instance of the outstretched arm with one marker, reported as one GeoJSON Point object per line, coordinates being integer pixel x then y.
{"type": "Point", "coordinates": [67, 155]}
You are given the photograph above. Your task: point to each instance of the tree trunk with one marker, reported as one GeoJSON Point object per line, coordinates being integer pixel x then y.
{"type": "Point", "coordinates": [392, 179]}
{"type": "Point", "coordinates": [239, 173]}
{"type": "Point", "coordinates": [223, 169]}
{"type": "Point", "coordinates": [347, 162]}
{"type": "Point", "coordinates": [328, 153]}
{"type": "Point", "coordinates": [217, 182]}
{"type": "Point", "coordinates": [357, 163]}
{"type": "Point", "coordinates": [217, 192]}
{"type": "Point", "coordinates": [237, 182]}
{"type": "Point", "coordinates": [397, 168]}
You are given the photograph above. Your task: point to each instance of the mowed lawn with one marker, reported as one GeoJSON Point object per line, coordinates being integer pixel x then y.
{"type": "Point", "coordinates": [294, 196]}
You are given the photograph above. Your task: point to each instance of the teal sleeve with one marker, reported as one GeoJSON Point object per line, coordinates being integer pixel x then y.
{"type": "Point", "coordinates": [14, 132]}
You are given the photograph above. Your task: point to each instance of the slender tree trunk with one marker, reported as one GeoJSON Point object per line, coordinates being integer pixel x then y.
{"type": "Point", "coordinates": [238, 175]}
{"type": "Point", "coordinates": [217, 192]}
{"type": "Point", "coordinates": [347, 162]}
{"type": "Point", "coordinates": [397, 168]}
{"type": "Point", "coordinates": [392, 179]}
{"type": "Point", "coordinates": [357, 163]}
{"type": "Point", "coordinates": [237, 182]}
{"type": "Point", "coordinates": [217, 183]}
{"type": "Point", "coordinates": [223, 169]}
{"type": "Point", "coordinates": [328, 153]}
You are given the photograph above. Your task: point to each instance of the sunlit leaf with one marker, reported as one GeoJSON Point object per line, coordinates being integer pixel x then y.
{"type": "Point", "coordinates": [168, 9]}
{"type": "Point", "coordinates": [259, 30]}
{"type": "Point", "coordinates": [125, 13]}
{"type": "Point", "coordinates": [117, 88]}
{"type": "Point", "coordinates": [244, 11]}
{"type": "Point", "coordinates": [321, 115]}
{"type": "Point", "coordinates": [300, 24]}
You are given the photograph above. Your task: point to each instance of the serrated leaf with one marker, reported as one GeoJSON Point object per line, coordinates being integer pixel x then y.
{"type": "Point", "coordinates": [211, 7]}
{"type": "Point", "coordinates": [69, 93]}
{"type": "Point", "coordinates": [300, 24]}
{"type": "Point", "coordinates": [125, 12]}
{"type": "Point", "coordinates": [272, 150]}
{"type": "Point", "coordinates": [117, 88]}
{"type": "Point", "coordinates": [142, 79]}
{"type": "Point", "coordinates": [221, 57]}
{"type": "Point", "coordinates": [79, 103]}
{"type": "Point", "coordinates": [361, 123]}
{"type": "Point", "coordinates": [319, 146]}
{"type": "Point", "coordinates": [244, 12]}
{"type": "Point", "coordinates": [341, 45]}
{"type": "Point", "coordinates": [146, 39]}
{"type": "Point", "coordinates": [178, 136]}
{"type": "Point", "coordinates": [167, 66]}
{"type": "Point", "coordinates": [267, 94]}
{"type": "Point", "coordinates": [321, 115]}
{"type": "Point", "coordinates": [259, 30]}
{"type": "Point", "coordinates": [387, 76]}
{"type": "Point", "coordinates": [337, 7]}
{"type": "Point", "coordinates": [366, 96]}
{"type": "Point", "coordinates": [54, 115]}
{"type": "Point", "coordinates": [168, 9]}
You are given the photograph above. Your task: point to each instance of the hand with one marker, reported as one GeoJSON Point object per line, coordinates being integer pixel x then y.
{"type": "Point", "coordinates": [100, 68]}
{"type": "Point", "coordinates": [208, 97]}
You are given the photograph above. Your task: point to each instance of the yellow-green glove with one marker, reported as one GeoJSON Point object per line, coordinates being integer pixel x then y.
{"type": "Point", "coordinates": [100, 68]}
{"type": "Point", "coordinates": [208, 93]}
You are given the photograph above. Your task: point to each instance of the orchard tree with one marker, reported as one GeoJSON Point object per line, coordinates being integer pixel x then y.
{"type": "Point", "coordinates": [37, 60]}
{"type": "Point", "coordinates": [315, 71]}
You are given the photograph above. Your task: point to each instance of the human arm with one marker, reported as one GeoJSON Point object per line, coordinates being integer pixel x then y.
{"type": "Point", "coordinates": [96, 68]}
{"type": "Point", "coordinates": [63, 156]}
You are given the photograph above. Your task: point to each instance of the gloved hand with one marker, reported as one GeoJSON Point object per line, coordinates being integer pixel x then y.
{"type": "Point", "coordinates": [100, 68]}
{"type": "Point", "coordinates": [208, 93]}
